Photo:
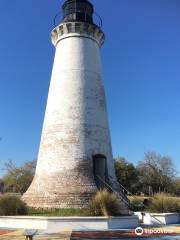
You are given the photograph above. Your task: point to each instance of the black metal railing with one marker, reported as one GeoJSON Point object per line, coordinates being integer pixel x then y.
{"type": "Point", "coordinates": [59, 17]}
{"type": "Point", "coordinates": [121, 195]}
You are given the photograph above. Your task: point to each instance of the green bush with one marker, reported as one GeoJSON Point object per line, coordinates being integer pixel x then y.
{"type": "Point", "coordinates": [12, 205]}
{"type": "Point", "coordinates": [105, 203]}
{"type": "Point", "coordinates": [137, 204]}
{"type": "Point", "coordinates": [164, 203]}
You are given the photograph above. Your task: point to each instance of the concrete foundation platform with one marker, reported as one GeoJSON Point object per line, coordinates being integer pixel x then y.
{"type": "Point", "coordinates": [54, 224]}
{"type": "Point", "coordinates": [158, 218]}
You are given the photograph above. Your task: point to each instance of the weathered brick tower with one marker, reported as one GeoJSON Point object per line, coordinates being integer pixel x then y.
{"type": "Point", "coordinates": [75, 156]}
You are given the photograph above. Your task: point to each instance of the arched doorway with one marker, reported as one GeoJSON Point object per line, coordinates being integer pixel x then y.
{"type": "Point", "coordinates": [100, 170]}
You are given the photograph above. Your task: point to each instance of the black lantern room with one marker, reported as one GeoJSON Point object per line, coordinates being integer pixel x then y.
{"type": "Point", "coordinates": [78, 11]}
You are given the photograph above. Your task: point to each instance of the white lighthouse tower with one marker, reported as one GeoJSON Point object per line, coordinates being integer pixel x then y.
{"type": "Point", "coordinates": [75, 155]}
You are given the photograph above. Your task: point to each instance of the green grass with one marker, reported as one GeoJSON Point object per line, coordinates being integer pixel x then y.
{"type": "Point", "coordinates": [58, 212]}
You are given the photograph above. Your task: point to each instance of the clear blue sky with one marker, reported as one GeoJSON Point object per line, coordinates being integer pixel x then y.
{"type": "Point", "coordinates": [141, 59]}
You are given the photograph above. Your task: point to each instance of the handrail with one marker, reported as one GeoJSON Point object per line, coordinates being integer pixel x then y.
{"type": "Point", "coordinates": [157, 220]}
{"type": "Point", "coordinates": [117, 193]}
{"type": "Point", "coordinates": [128, 192]}
{"type": "Point", "coordinates": [97, 19]}
{"type": "Point", "coordinates": [55, 18]}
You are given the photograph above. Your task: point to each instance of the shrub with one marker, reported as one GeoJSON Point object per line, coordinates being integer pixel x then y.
{"type": "Point", "coordinates": [163, 203]}
{"type": "Point", "coordinates": [105, 203]}
{"type": "Point", "coordinates": [12, 205]}
{"type": "Point", "coordinates": [137, 204]}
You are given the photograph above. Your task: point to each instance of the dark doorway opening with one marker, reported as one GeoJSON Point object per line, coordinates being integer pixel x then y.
{"type": "Point", "coordinates": [100, 170]}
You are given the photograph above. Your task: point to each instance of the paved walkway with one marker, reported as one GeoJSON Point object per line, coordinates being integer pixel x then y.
{"type": "Point", "coordinates": [83, 235]}
{"type": "Point", "coordinates": [19, 235]}
{"type": "Point", "coordinates": [54, 237]}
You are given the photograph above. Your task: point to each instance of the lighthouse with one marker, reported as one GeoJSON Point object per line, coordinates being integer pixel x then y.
{"type": "Point", "coordinates": [75, 155]}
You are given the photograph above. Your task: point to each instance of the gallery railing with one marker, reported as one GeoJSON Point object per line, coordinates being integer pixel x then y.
{"type": "Point", "coordinates": [97, 19]}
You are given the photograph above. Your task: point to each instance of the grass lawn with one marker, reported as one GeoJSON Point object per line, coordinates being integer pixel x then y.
{"type": "Point", "coordinates": [58, 212]}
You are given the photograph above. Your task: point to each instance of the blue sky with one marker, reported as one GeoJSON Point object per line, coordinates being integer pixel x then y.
{"type": "Point", "coordinates": [141, 58]}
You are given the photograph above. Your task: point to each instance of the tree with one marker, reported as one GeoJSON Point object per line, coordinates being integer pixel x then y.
{"type": "Point", "coordinates": [175, 187]}
{"type": "Point", "coordinates": [156, 173]}
{"type": "Point", "coordinates": [127, 174]}
{"type": "Point", "coordinates": [18, 179]}
{"type": "Point", "coordinates": [1, 186]}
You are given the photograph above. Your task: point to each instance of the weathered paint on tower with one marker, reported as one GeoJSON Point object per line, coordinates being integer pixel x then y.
{"type": "Point", "coordinates": [75, 155]}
